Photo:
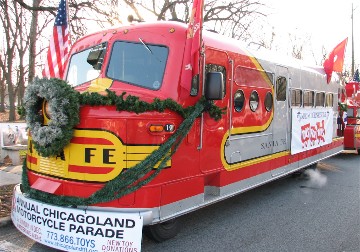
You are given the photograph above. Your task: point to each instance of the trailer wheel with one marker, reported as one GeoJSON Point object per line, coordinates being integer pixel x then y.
{"type": "Point", "coordinates": [163, 231]}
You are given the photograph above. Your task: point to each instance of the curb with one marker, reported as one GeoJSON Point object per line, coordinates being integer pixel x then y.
{"type": "Point", "coordinates": [5, 221]}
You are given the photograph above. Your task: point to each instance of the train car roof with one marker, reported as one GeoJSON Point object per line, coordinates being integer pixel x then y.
{"type": "Point", "coordinates": [237, 46]}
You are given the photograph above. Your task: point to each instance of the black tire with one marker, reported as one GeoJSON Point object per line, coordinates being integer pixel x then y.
{"type": "Point", "coordinates": [358, 151]}
{"type": "Point", "coordinates": [163, 231]}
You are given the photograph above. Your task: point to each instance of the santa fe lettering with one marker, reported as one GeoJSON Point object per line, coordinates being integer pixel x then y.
{"type": "Point", "coordinates": [106, 155]}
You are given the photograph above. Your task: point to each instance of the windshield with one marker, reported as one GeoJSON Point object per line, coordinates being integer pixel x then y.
{"type": "Point", "coordinates": [139, 64]}
{"type": "Point", "coordinates": [85, 65]}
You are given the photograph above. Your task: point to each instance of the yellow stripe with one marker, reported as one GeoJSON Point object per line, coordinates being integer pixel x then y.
{"type": "Point", "coordinates": [250, 129]}
{"type": "Point", "coordinates": [135, 154]}
{"type": "Point", "coordinates": [257, 160]}
{"type": "Point", "coordinates": [263, 73]}
{"type": "Point", "coordinates": [135, 149]}
{"type": "Point", "coordinates": [100, 84]}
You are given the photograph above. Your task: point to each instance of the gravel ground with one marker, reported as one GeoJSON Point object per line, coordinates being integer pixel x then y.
{"type": "Point", "coordinates": [5, 200]}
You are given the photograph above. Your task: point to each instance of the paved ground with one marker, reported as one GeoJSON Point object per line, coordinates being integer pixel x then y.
{"type": "Point", "coordinates": [296, 213]}
{"type": "Point", "coordinates": [10, 174]}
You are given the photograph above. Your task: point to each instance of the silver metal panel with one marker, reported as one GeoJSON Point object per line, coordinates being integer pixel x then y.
{"type": "Point", "coordinates": [282, 117]}
{"type": "Point", "coordinates": [245, 147]}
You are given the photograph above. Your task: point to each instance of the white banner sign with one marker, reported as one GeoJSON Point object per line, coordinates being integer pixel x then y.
{"type": "Point", "coordinates": [311, 128]}
{"type": "Point", "coordinates": [72, 229]}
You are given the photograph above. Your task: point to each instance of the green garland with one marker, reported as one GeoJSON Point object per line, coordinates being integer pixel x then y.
{"type": "Point", "coordinates": [132, 179]}
{"type": "Point", "coordinates": [134, 104]}
{"type": "Point", "coordinates": [64, 103]}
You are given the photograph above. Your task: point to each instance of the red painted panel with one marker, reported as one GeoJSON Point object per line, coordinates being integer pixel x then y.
{"type": "Point", "coordinates": [349, 137]}
{"type": "Point", "coordinates": [46, 185]}
{"type": "Point", "coordinates": [31, 159]}
{"type": "Point", "coordinates": [89, 140]}
{"type": "Point", "coordinates": [181, 190]}
{"type": "Point", "coordinates": [90, 169]}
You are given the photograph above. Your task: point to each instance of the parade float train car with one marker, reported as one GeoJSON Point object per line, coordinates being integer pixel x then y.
{"type": "Point", "coordinates": [279, 117]}
{"type": "Point", "coordinates": [351, 131]}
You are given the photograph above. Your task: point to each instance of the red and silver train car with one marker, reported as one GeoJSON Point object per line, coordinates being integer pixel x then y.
{"type": "Point", "coordinates": [279, 117]}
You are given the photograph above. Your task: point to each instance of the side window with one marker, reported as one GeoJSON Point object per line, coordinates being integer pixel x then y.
{"type": "Point", "coordinates": [252, 77]}
{"type": "Point", "coordinates": [268, 101]}
{"type": "Point", "coordinates": [296, 97]}
{"type": "Point", "coordinates": [281, 84]}
{"type": "Point", "coordinates": [308, 98]}
{"type": "Point", "coordinates": [254, 101]}
{"type": "Point", "coordinates": [239, 100]}
{"type": "Point", "coordinates": [320, 99]}
{"type": "Point", "coordinates": [329, 100]}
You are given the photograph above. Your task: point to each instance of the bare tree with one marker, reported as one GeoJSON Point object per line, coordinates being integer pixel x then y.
{"type": "Point", "coordinates": [19, 58]}
{"type": "Point", "coordinates": [2, 83]}
{"type": "Point", "coordinates": [8, 16]}
{"type": "Point", "coordinates": [22, 45]}
{"type": "Point", "coordinates": [232, 18]}
{"type": "Point", "coordinates": [32, 40]}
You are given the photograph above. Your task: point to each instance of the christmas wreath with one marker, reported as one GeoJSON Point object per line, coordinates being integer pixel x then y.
{"type": "Point", "coordinates": [63, 104]}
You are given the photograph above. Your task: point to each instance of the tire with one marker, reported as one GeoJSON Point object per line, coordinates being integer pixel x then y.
{"type": "Point", "coordinates": [358, 151]}
{"type": "Point", "coordinates": [163, 231]}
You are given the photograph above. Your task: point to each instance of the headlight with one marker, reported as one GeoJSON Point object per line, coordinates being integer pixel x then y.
{"type": "Point", "coordinates": [47, 110]}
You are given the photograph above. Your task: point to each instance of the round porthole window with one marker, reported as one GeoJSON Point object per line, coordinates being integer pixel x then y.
{"type": "Point", "coordinates": [239, 100]}
{"type": "Point", "coordinates": [254, 101]}
{"type": "Point", "coordinates": [268, 101]}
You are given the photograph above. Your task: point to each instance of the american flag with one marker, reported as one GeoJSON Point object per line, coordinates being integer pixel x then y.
{"type": "Point", "coordinates": [59, 45]}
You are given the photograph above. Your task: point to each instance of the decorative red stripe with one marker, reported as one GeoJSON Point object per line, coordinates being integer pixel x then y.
{"type": "Point", "coordinates": [88, 140]}
{"type": "Point", "coordinates": [31, 159]}
{"type": "Point", "coordinates": [90, 170]}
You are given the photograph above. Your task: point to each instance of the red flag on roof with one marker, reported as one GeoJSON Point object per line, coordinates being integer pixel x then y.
{"type": "Point", "coordinates": [190, 65]}
{"type": "Point", "coordinates": [59, 45]}
{"type": "Point", "coordinates": [335, 61]}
